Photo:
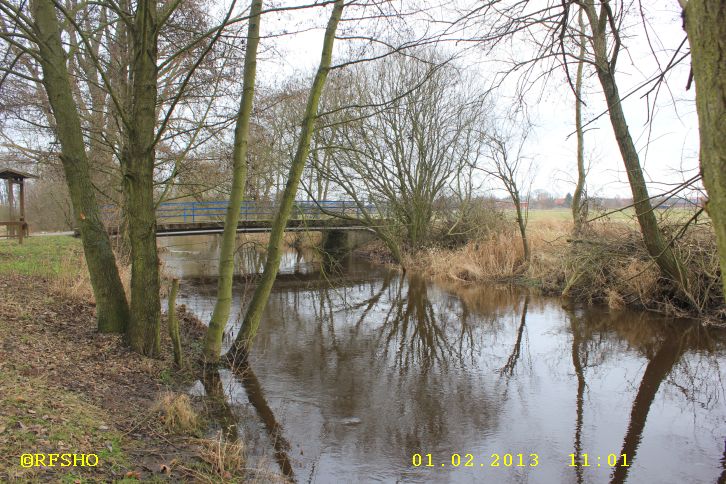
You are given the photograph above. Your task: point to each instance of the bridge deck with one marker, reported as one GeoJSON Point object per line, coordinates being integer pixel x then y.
{"type": "Point", "coordinates": [256, 226]}
{"type": "Point", "coordinates": [188, 218]}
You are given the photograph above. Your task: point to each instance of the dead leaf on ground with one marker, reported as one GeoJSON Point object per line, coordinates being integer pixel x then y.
{"type": "Point", "coordinates": [133, 475]}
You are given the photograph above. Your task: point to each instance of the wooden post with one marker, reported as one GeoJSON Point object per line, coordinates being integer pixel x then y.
{"type": "Point", "coordinates": [23, 225]}
{"type": "Point", "coordinates": [11, 206]}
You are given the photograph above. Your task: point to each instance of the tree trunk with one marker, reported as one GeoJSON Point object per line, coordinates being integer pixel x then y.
{"type": "Point", "coordinates": [112, 310]}
{"type": "Point", "coordinates": [418, 221]}
{"type": "Point", "coordinates": [579, 207]}
{"type": "Point", "coordinates": [521, 223]}
{"type": "Point", "coordinates": [220, 316]}
{"type": "Point", "coordinates": [173, 323]}
{"type": "Point", "coordinates": [706, 27]}
{"type": "Point", "coordinates": [137, 163]}
{"type": "Point", "coordinates": [658, 248]}
{"type": "Point", "coordinates": [251, 322]}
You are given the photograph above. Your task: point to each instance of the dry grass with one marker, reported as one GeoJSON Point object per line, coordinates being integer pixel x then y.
{"type": "Point", "coordinates": [613, 266]}
{"type": "Point", "coordinates": [497, 257]}
{"type": "Point", "coordinates": [225, 458]}
{"type": "Point", "coordinates": [73, 281]}
{"type": "Point", "coordinates": [609, 265]}
{"type": "Point", "coordinates": [177, 413]}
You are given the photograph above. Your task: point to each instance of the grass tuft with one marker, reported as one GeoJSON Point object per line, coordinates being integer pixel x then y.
{"type": "Point", "coordinates": [177, 413]}
{"type": "Point", "coordinates": [226, 458]}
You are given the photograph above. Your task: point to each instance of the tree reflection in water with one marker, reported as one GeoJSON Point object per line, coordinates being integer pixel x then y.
{"type": "Point", "coordinates": [222, 412]}
{"type": "Point", "coordinates": [663, 346]}
{"type": "Point", "coordinates": [415, 334]}
{"type": "Point", "coordinates": [257, 398]}
{"type": "Point", "coordinates": [366, 368]}
{"type": "Point", "coordinates": [579, 361]}
{"type": "Point", "coordinates": [658, 368]}
{"type": "Point", "coordinates": [218, 407]}
{"type": "Point", "coordinates": [511, 364]}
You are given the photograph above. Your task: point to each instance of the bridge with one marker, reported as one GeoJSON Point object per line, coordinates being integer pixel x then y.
{"type": "Point", "coordinates": [197, 218]}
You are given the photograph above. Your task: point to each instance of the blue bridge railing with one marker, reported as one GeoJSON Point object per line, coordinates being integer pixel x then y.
{"type": "Point", "coordinates": [250, 210]}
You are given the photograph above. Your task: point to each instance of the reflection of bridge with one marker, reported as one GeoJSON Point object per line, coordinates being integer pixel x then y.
{"type": "Point", "coordinates": [190, 218]}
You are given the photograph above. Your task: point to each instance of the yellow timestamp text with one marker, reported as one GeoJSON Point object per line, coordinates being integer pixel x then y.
{"type": "Point", "coordinates": [58, 460]}
{"type": "Point", "coordinates": [588, 460]}
{"type": "Point", "coordinates": [470, 460]}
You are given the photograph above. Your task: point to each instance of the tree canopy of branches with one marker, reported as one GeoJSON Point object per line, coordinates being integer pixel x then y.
{"type": "Point", "coordinates": [410, 137]}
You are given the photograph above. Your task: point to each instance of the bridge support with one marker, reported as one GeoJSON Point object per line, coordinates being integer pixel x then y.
{"type": "Point", "coordinates": [337, 243]}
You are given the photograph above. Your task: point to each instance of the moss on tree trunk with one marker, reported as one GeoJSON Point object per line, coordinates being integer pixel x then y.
{"type": "Point", "coordinates": [706, 27]}
{"type": "Point", "coordinates": [137, 164]}
{"type": "Point", "coordinates": [259, 300]}
{"type": "Point", "coordinates": [112, 310]}
{"type": "Point", "coordinates": [220, 316]}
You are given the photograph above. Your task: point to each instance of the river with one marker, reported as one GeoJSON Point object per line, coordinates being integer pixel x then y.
{"type": "Point", "coordinates": [364, 374]}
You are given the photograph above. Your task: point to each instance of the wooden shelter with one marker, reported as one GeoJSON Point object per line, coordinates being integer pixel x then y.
{"type": "Point", "coordinates": [16, 225]}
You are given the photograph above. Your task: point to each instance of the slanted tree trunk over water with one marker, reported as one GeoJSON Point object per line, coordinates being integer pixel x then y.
{"type": "Point", "coordinates": [112, 310]}
{"type": "Point", "coordinates": [274, 249]}
{"type": "Point", "coordinates": [137, 164]}
{"type": "Point", "coordinates": [579, 206]}
{"type": "Point", "coordinates": [220, 316]}
{"type": "Point", "coordinates": [706, 27]}
{"type": "Point", "coordinates": [656, 244]}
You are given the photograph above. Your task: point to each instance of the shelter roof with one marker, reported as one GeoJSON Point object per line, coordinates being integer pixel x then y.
{"type": "Point", "coordinates": [13, 174]}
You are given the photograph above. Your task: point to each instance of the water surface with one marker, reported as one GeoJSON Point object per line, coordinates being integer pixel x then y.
{"type": "Point", "coordinates": [359, 369]}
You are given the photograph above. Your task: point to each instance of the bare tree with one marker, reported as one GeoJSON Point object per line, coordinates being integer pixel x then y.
{"type": "Point", "coordinates": [579, 200]}
{"type": "Point", "coordinates": [220, 316]}
{"type": "Point", "coordinates": [405, 134]}
{"type": "Point", "coordinates": [114, 110]}
{"type": "Point", "coordinates": [605, 42]}
{"type": "Point", "coordinates": [515, 171]}
{"type": "Point", "coordinates": [112, 310]}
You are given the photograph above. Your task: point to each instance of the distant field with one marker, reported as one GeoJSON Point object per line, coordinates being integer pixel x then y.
{"type": "Point", "coordinates": [538, 216]}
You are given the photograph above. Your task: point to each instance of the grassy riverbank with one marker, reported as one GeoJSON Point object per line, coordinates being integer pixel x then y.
{"type": "Point", "coordinates": [64, 388]}
{"type": "Point", "coordinates": [608, 264]}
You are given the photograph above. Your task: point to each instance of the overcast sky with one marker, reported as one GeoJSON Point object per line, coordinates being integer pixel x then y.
{"type": "Point", "coordinates": [668, 146]}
